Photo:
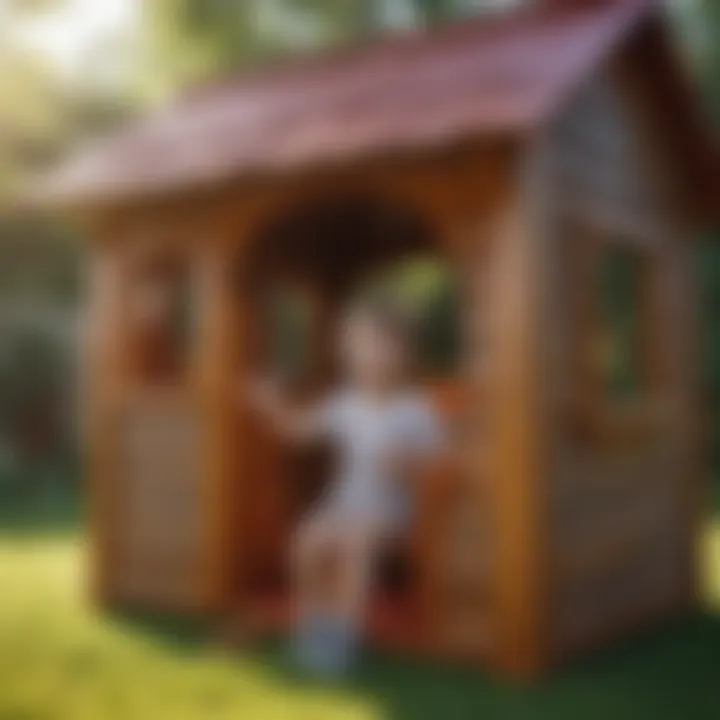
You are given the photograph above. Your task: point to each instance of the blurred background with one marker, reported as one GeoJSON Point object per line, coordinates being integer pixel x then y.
{"type": "Point", "coordinates": [74, 69]}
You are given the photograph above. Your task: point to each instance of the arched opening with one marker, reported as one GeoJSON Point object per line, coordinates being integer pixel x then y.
{"type": "Point", "coordinates": [426, 284]}
{"type": "Point", "coordinates": [301, 272]}
{"type": "Point", "coordinates": [308, 264]}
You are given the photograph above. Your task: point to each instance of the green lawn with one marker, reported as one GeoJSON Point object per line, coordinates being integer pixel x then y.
{"type": "Point", "coordinates": [59, 659]}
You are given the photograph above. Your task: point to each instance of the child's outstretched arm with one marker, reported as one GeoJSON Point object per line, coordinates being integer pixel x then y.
{"type": "Point", "coordinates": [296, 424]}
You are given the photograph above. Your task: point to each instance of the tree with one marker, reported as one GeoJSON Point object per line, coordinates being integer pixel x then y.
{"type": "Point", "coordinates": [698, 22]}
{"type": "Point", "coordinates": [40, 117]}
{"type": "Point", "coordinates": [189, 40]}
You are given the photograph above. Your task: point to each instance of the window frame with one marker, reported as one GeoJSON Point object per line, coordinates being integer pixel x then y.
{"type": "Point", "coordinates": [598, 416]}
{"type": "Point", "coordinates": [174, 270]}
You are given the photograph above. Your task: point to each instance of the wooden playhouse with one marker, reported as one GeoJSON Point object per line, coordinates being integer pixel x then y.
{"type": "Point", "coordinates": [534, 152]}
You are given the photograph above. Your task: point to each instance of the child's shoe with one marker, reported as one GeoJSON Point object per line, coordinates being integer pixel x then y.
{"type": "Point", "coordinates": [307, 646]}
{"type": "Point", "coordinates": [339, 646]}
{"type": "Point", "coordinates": [326, 646]}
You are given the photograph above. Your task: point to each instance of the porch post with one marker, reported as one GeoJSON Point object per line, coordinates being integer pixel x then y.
{"type": "Point", "coordinates": [106, 364]}
{"type": "Point", "coordinates": [675, 351]}
{"type": "Point", "coordinates": [517, 344]}
{"type": "Point", "coordinates": [222, 340]}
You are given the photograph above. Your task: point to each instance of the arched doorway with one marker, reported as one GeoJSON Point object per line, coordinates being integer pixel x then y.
{"type": "Point", "coordinates": [306, 265]}
{"type": "Point", "coordinates": [301, 271]}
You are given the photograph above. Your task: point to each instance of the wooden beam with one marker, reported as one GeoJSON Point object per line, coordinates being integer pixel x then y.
{"type": "Point", "coordinates": [106, 363]}
{"type": "Point", "coordinates": [221, 346]}
{"type": "Point", "coordinates": [516, 304]}
{"type": "Point", "coordinates": [677, 343]}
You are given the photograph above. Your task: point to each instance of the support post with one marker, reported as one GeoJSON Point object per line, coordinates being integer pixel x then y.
{"type": "Point", "coordinates": [516, 357]}
{"type": "Point", "coordinates": [221, 345]}
{"type": "Point", "coordinates": [676, 348]}
{"type": "Point", "coordinates": [106, 364]}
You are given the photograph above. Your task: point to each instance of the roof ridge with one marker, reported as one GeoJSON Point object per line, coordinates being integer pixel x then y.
{"type": "Point", "coordinates": [481, 78]}
{"type": "Point", "coordinates": [288, 68]}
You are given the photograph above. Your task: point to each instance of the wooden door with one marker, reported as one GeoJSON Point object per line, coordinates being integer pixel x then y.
{"type": "Point", "coordinates": [163, 448]}
{"type": "Point", "coordinates": [158, 501]}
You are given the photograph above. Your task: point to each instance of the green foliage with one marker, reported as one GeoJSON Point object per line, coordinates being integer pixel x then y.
{"type": "Point", "coordinates": [435, 11]}
{"type": "Point", "coordinates": [620, 294]}
{"type": "Point", "coordinates": [41, 117]}
{"type": "Point", "coordinates": [697, 23]}
{"type": "Point", "coordinates": [429, 290]}
{"type": "Point", "coordinates": [39, 288]}
{"type": "Point", "coordinates": [189, 40]}
{"type": "Point", "coordinates": [36, 416]}
{"type": "Point", "coordinates": [31, 117]}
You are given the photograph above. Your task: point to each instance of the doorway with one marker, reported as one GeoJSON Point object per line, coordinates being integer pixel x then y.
{"type": "Point", "coordinates": [305, 268]}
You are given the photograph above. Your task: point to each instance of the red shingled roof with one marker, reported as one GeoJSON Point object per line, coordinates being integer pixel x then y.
{"type": "Point", "coordinates": [482, 78]}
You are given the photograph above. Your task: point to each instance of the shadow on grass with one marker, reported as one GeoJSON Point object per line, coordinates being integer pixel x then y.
{"type": "Point", "coordinates": [41, 518]}
{"type": "Point", "coordinates": [177, 632]}
{"type": "Point", "coordinates": [674, 673]}
{"type": "Point", "coordinates": [671, 674]}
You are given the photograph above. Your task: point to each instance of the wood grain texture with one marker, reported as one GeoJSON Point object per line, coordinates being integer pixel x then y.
{"type": "Point", "coordinates": [223, 352]}
{"type": "Point", "coordinates": [106, 362]}
{"type": "Point", "coordinates": [516, 306]}
{"type": "Point", "coordinates": [622, 540]}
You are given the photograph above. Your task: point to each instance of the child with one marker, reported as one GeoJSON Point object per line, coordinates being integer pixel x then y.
{"type": "Point", "coordinates": [381, 428]}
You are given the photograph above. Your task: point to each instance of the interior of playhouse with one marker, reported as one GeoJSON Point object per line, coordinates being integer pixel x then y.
{"type": "Point", "coordinates": [306, 268]}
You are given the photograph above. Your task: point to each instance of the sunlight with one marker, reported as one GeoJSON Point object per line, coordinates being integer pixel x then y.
{"type": "Point", "coordinates": [74, 31]}
{"type": "Point", "coordinates": [57, 653]}
{"type": "Point", "coordinates": [59, 657]}
{"type": "Point", "coordinates": [711, 555]}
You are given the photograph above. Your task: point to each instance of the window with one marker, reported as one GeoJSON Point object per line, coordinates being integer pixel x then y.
{"type": "Point", "coordinates": [618, 349]}
{"type": "Point", "coordinates": [608, 299]}
{"type": "Point", "coordinates": [161, 319]}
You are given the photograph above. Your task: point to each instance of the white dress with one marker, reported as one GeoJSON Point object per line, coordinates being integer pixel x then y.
{"type": "Point", "coordinates": [367, 434]}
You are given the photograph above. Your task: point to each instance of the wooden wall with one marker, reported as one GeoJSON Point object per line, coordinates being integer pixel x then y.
{"type": "Point", "coordinates": [145, 433]}
{"type": "Point", "coordinates": [622, 485]}
{"type": "Point", "coordinates": [176, 467]}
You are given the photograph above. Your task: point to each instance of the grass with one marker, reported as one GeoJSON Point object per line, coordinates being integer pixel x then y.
{"type": "Point", "coordinates": [61, 660]}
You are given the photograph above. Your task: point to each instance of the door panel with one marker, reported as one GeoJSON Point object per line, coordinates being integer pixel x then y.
{"type": "Point", "coordinates": [159, 502]}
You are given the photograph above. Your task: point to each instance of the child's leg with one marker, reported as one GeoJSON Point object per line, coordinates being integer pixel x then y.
{"type": "Point", "coordinates": [328, 630]}
{"type": "Point", "coordinates": [313, 541]}
{"type": "Point", "coordinates": [320, 640]}
{"type": "Point", "coordinates": [357, 547]}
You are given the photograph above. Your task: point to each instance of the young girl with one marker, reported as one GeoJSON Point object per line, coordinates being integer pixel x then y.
{"type": "Point", "coordinates": [381, 428]}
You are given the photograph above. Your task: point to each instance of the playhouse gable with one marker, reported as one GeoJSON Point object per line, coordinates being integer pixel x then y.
{"type": "Point", "coordinates": [610, 165]}
{"type": "Point", "coordinates": [481, 80]}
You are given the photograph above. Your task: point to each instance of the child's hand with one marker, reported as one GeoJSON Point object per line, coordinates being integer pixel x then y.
{"type": "Point", "coordinates": [266, 398]}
